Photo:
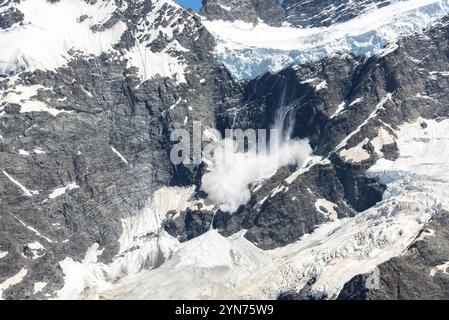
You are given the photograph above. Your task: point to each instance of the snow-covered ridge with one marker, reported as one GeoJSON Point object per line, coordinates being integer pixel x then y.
{"type": "Point", "coordinates": [50, 30]}
{"type": "Point", "coordinates": [249, 51]}
{"type": "Point", "coordinates": [166, 63]}
{"type": "Point", "coordinates": [53, 33]}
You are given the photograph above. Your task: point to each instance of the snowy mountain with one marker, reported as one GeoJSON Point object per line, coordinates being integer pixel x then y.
{"type": "Point", "coordinates": [92, 207]}
{"type": "Point", "coordinates": [250, 50]}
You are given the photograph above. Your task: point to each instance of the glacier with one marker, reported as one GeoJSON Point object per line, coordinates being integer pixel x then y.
{"type": "Point", "coordinates": [249, 51]}
{"type": "Point", "coordinates": [233, 267]}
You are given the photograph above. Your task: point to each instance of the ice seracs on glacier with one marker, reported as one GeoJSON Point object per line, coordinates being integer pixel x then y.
{"type": "Point", "coordinates": [248, 50]}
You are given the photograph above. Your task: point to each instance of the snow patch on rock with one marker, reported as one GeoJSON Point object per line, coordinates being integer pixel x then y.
{"type": "Point", "coordinates": [14, 280]}
{"type": "Point", "coordinates": [27, 192]}
{"type": "Point", "coordinates": [25, 96]}
{"type": "Point", "coordinates": [357, 153]}
{"type": "Point", "coordinates": [62, 190]}
{"type": "Point", "coordinates": [327, 208]}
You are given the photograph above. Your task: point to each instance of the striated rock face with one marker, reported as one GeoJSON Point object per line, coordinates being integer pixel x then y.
{"type": "Point", "coordinates": [317, 13]}
{"type": "Point", "coordinates": [251, 11]}
{"type": "Point", "coordinates": [270, 11]}
{"type": "Point", "coordinates": [230, 10]}
{"type": "Point", "coordinates": [91, 205]}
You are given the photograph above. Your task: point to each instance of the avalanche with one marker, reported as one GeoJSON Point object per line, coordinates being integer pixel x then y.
{"type": "Point", "coordinates": [233, 267]}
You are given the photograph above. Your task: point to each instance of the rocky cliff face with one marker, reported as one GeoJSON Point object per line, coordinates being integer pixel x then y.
{"type": "Point", "coordinates": [270, 11]}
{"type": "Point", "coordinates": [326, 13]}
{"type": "Point", "coordinates": [295, 12]}
{"type": "Point", "coordinates": [89, 196]}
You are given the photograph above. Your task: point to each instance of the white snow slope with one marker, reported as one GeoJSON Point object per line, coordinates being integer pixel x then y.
{"type": "Point", "coordinates": [249, 51]}
{"type": "Point", "coordinates": [51, 30]}
{"type": "Point", "coordinates": [212, 266]}
{"type": "Point", "coordinates": [54, 33]}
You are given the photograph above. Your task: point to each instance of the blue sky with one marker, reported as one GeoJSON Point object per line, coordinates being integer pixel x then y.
{"type": "Point", "coordinates": [194, 4]}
